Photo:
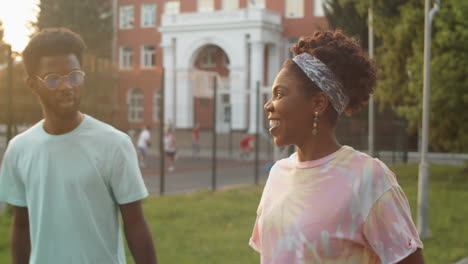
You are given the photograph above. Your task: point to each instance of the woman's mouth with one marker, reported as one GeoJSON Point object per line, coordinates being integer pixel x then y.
{"type": "Point", "coordinates": [274, 124]}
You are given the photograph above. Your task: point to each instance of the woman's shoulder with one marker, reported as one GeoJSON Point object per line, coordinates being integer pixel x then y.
{"type": "Point", "coordinates": [288, 162]}
{"type": "Point", "coordinates": [369, 163]}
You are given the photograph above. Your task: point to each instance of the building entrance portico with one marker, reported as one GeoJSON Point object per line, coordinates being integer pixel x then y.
{"type": "Point", "coordinates": [251, 44]}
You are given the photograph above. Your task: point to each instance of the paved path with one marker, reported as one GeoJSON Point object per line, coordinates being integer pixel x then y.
{"type": "Point", "coordinates": [192, 174]}
{"type": "Point", "coordinates": [462, 261]}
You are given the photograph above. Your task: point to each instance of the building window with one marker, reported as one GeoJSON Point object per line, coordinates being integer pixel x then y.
{"type": "Point", "coordinates": [230, 4]}
{"type": "Point", "coordinates": [318, 8]}
{"type": "Point", "coordinates": [126, 58]}
{"type": "Point", "coordinates": [148, 57]}
{"type": "Point", "coordinates": [156, 105]}
{"type": "Point", "coordinates": [256, 3]}
{"type": "Point", "coordinates": [135, 105]}
{"type": "Point", "coordinates": [295, 8]}
{"type": "Point", "coordinates": [148, 15]}
{"type": "Point", "coordinates": [208, 57]}
{"type": "Point", "coordinates": [126, 17]}
{"type": "Point", "coordinates": [205, 5]}
{"type": "Point", "coordinates": [172, 7]}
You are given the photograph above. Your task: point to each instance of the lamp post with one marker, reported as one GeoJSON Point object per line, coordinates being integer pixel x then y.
{"type": "Point", "coordinates": [423, 180]}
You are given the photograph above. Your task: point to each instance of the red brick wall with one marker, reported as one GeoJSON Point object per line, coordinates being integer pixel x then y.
{"type": "Point", "coordinates": [148, 80]}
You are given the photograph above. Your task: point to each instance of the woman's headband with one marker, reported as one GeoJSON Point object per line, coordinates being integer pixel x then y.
{"type": "Point", "coordinates": [324, 78]}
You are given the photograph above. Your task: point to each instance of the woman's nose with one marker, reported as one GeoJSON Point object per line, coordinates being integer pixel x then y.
{"type": "Point", "coordinates": [268, 106]}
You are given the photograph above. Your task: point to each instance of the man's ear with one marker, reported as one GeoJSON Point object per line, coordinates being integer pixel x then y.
{"type": "Point", "coordinates": [319, 103]}
{"type": "Point", "coordinates": [32, 84]}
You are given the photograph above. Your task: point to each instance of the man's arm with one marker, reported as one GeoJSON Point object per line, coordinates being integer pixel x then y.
{"type": "Point", "coordinates": [138, 234]}
{"type": "Point", "coordinates": [415, 258]}
{"type": "Point", "coordinates": [20, 240]}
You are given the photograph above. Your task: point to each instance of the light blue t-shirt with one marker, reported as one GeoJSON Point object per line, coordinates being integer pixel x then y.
{"type": "Point", "coordinates": [72, 185]}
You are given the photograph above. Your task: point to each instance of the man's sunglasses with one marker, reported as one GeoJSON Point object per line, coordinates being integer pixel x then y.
{"type": "Point", "coordinates": [53, 80]}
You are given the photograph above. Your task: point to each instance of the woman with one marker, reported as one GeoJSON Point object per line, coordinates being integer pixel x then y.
{"type": "Point", "coordinates": [328, 203]}
{"type": "Point", "coordinates": [170, 148]}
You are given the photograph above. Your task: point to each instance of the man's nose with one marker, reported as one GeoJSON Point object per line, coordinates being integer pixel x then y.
{"type": "Point", "coordinates": [65, 83]}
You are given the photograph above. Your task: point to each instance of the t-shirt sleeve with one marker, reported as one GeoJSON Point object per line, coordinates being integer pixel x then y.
{"type": "Point", "coordinates": [126, 181]}
{"type": "Point", "coordinates": [255, 241]}
{"type": "Point", "coordinates": [12, 189]}
{"type": "Point", "coordinates": [389, 229]}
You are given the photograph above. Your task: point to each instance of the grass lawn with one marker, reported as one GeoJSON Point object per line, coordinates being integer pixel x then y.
{"type": "Point", "coordinates": [214, 227]}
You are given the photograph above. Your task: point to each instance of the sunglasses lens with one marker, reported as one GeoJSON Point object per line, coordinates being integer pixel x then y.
{"type": "Point", "coordinates": [52, 81]}
{"type": "Point", "coordinates": [76, 78]}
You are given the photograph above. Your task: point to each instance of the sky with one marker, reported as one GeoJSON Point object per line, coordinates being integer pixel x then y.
{"type": "Point", "coordinates": [16, 16]}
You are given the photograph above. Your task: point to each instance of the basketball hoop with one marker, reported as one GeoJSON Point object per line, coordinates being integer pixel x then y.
{"type": "Point", "coordinates": [202, 83]}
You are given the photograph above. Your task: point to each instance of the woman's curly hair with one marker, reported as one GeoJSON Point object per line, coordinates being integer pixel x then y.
{"type": "Point", "coordinates": [345, 57]}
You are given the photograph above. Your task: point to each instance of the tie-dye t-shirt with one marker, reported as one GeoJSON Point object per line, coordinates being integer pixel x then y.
{"type": "Point", "coordinates": [344, 208]}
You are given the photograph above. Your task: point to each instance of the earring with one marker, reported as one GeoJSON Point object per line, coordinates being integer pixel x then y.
{"type": "Point", "coordinates": [315, 124]}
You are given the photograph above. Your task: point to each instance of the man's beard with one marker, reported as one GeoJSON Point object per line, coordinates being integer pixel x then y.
{"type": "Point", "coordinates": [48, 107]}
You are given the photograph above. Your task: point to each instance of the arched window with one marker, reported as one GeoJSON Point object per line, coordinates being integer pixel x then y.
{"type": "Point", "coordinates": [135, 105]}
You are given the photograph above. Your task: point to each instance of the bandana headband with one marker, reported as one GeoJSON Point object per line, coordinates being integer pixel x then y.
{"type": "Point", "coordinates": [324, 78]}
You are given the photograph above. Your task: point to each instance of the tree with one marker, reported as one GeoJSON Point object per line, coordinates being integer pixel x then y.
{"type": "Point", "coordinates": [342, 14]}
{"type": "Point", "coordinates": [399, 25]}
{"type": "Point", "coordinates": [25, 108]}
{"type": "Point", "coordinates": [449, 71]}
{"type": "Point", "coordinates": [92, 19]}
{"type": "Point", "coordinates": [2, 42]}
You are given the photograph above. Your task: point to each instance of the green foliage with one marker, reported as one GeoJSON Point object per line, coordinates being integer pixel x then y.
{"type": "Point", "coordinates": [399, 25]}
{"type": "Point", "coordinates": [449, 68]}
{"type": "Point", "coordinates": [449, 82]}
{"type": "Point", "coordinates": [26, 108]}
{"type": "Point", "coordinates": [91, 19]}
{"type": "Point", "coordinates": [3, 59]}
{"type": "Point", "coordinates": [345, 16]}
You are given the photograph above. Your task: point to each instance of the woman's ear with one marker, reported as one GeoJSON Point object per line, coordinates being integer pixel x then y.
{"type": "Point", "coordinates": [320, 103]}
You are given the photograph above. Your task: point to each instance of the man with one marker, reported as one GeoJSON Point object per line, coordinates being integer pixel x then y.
{"type": "Point", "coordinates": [69, 175]}
{"type": "Point", "coordinates": [143, 144]}
{"type": "Point", "coordinates": [196, 139]}
{"type": "Point", "coordinates": [246, 145]}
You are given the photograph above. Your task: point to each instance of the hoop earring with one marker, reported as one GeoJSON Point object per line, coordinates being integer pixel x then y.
{"type": "Point", "coordinates": [315, 124]}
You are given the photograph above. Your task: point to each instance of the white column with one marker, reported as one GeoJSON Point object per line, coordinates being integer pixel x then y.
{"type": "Point", "coordinates": [169, 81]}
{"type": "Point", "coordinates": [274, 63]}
{"type": "Point", "coordinates": [238, 79]}
{"type": "Point", "coordinates": [257, 68]}
{"type": "Point", "coordinates": [184, 104]}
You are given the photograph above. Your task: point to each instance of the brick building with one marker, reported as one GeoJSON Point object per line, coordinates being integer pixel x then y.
{"type": "Point", "coordinates": [240, 42]}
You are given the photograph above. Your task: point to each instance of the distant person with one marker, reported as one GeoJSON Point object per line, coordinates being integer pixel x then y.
{"type": "Point", "coordinates": [170, 149]}
{"type": "Point", "coordinates": [247, 146]}
{"type": "Point", "coordinates": [196, 139]}
{"type": "Point", "coordinates": [143, 144]}
{"type": "Point", "coordinates": [69, 176]}
{"type": "Point", "coordinates": [328, 203]}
